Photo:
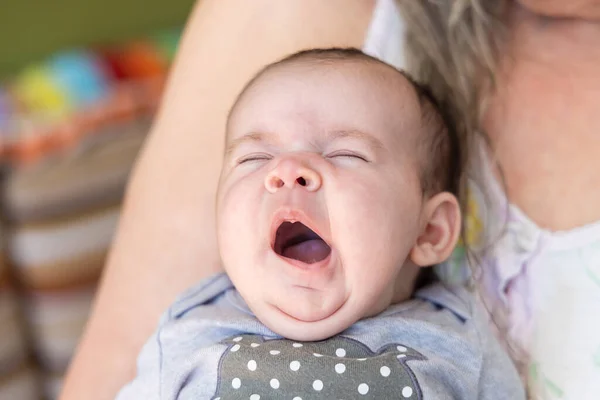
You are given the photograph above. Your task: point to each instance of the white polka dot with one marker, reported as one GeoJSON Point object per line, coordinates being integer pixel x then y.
{"type": "Point", "coordinates": [252, 365]}
{"type": "Point", "coordinates": [235, 348]}
{"type": "Point", "coordinates": [318, 385]}
{"type": "Point", "coordinates": [340, 353]}
{"type": "Point", "coordinates": [401, 349]}
{"type": "Point", "coordinates": [237, 339]}
{"type": "Point", "coordinates": [236, 383]}
{"type": "Point", "coordinates": [274, 383]}
{"type": "Point", "coordinates": [254, 345]}
{"type": "Point", "coordinates": [401, 356]}
{"type": "Point", "coordinates": [297, 345]}
{"type": "Point", "coordinates": [407, 392]}
{"type": "Point", "coordinates": [363, 388]}
{"type": "Point", "coordinates": [255, 397]}
{"type": "Point", "coordinates": [297, 398]}
{"type": "Point", "coordinates": [340, 368]}
{"type": "Point", "coordinates": [317, 355]}
{"type": "Point", "coordinates": [274, 352]}
{"type": "Point", "coordinates": [295, 365]}
{"type": "Point", "coordinates": [385, 371]}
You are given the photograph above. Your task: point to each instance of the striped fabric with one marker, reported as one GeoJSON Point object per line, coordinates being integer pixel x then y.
{"type": "Point", "coordinates": [17, 373]}
{"type": "Point", "coordinates": [62, 214]}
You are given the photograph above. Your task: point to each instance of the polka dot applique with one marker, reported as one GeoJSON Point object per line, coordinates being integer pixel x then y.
{"type": "Point", "coordinates": [295, 365]}
{"type": "Point", "coordinates": [238, 339]}
{"type": "Point", "coordinates": [258, 368]}
{"type": "Point", "coordinates": [363, 388]}
{"type": "Point", "coordinates": [385, 371]}
{"type": "Point", "coordinates": [318, 385]}
{"type": "Point", "coordinates": [340, 368]}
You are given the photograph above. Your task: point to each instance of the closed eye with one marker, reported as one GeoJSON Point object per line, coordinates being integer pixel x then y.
{"type": "Point", "coordinates": [347, 154]}
{"type": "Point", "coordinates": [253, 157]}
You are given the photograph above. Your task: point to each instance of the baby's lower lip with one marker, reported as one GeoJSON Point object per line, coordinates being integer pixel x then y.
{"type": "Point", "coordinates": [306, 266]}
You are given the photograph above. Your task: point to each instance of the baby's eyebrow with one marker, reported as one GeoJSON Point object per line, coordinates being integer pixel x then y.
{"type": "Point", "coordinates": [257, 137]}
{"type": "Point", "coordinates": [254, 137]}
{"type": "Point", "coordinates": [356, 134]}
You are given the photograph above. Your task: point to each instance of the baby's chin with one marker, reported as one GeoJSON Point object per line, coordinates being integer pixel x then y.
{"type": "Point", "coordinates": [313, 327]}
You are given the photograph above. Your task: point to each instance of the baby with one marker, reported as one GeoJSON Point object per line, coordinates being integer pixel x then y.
{"type": "Point", "coordinates": [337, 191]}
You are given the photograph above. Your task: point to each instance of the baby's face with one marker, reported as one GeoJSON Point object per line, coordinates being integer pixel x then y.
{"type": "Point", "coordinates": [320, 201]}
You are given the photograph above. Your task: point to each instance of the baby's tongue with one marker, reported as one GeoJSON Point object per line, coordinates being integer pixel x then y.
{"type": "Point", "coordinates": [309, 251]}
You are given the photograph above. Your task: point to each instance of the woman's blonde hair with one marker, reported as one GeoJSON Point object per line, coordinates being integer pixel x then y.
{"type": "Point", "coordinates": [452, 46]}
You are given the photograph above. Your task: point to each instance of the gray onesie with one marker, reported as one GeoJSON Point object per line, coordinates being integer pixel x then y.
{"type": "Point", "coordinates": [209, 345]}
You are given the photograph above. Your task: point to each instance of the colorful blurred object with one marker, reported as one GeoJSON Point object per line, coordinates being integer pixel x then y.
{"type": "Point", "coordinates": [49, 106]}
{"type": "Point", "coordinates": [166, 42]}
{"type": "Point", "coordinates": [136, 60]}
{"type": "Point", "coordinates": [81, 76]}
{"type": "Point", "coordinates": [39, 93]}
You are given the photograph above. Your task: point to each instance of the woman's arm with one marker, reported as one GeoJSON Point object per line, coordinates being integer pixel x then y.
{"type": "Point", "coordinates": [166, 240]}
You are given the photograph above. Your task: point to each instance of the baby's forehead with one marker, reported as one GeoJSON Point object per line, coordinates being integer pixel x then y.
{"type": "Point", "coordinates": [378, 87]}
{"type": "Point", "coordinates": [380, 76]}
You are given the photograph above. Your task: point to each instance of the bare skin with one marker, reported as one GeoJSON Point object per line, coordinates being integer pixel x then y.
{"type": "Point", "coordinates": [561, 8]}
{"type": "Point", "coordinates": [166, 240]}
{"type": "Point", "coordinates": [544, 124]}
{"type": "Point", "coordinates": [544, 120]}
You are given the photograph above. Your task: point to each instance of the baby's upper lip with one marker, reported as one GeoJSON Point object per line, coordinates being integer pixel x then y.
{"type": "Point", "coordinates": [291, 214]}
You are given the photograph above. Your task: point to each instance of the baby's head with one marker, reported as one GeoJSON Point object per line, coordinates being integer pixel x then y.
{"type": "Point", "coordinates": [336, 189]}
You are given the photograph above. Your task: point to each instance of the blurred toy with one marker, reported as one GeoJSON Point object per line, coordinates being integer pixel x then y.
{"type": "Point", "coordinates": [5, 107]}
{"type": "Point", "coordinates": [40, 93]}
{"type": "Point", "coordinates": [51, 105]}
{"type": "Point", "coordinates": [167, 42]}
{"type": "Point", "coordinates": [81, 75]}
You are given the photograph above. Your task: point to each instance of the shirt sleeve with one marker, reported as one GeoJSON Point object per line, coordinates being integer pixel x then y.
{"type": "Point", "coordinates": [499, 377]}
{"type": "Point", "coordinates": [169, 356]}
{"type": "Point", "coordinates": [147, 383]}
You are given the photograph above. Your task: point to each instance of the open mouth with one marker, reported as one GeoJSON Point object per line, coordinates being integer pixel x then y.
{"type": "Point", "coordinates": [296, 241]}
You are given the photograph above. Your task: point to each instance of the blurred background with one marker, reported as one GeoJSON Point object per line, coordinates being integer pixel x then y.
{"type": "Point", "coordinates": [79, 84]}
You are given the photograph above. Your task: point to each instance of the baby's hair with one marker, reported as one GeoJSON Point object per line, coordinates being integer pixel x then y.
{"type": "Point", "coordinates": [442, 169]}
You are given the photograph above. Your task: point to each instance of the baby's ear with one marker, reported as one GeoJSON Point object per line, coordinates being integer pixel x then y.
{"type": "Point", "coordinates": [440, 230]}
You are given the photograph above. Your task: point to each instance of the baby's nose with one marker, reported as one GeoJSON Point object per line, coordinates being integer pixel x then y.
{"type": "Point", "coordinates": [290, 172]}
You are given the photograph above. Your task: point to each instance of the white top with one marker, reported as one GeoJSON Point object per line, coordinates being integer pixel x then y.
{"type": "Point", "coordinates": [385, 37]}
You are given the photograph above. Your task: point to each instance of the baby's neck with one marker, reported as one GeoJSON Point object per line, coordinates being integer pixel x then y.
{"type": "Point", "coordinates": [405, 283]}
